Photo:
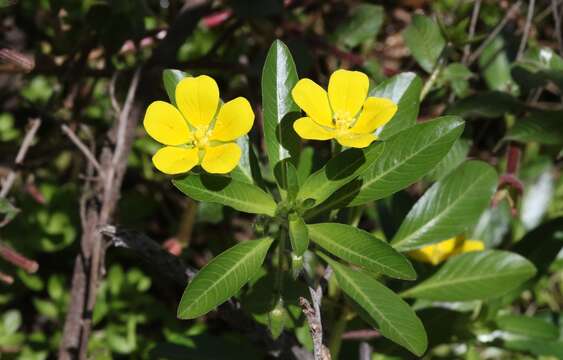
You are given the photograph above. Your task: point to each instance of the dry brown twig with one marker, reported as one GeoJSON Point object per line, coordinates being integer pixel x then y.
{"type": "Point", "coordinates": [527, 28]}
{"type": "Point", "coordinates": [32, 128]}
{"type": "Point", "coordinates": [557, 20]}
{"type": "Point", "coordinates": [472, 27]}
{"type": "Point", "coordinates": [509, 14]}
{"type": "Point", "coordinates": [365, 351]}
{"type": "Point", "coordinates": [97, 207]}
{"type": "Point", "coordinates": [83, 148]}
{"type": "Point", "coordinates": [6, 252]}
{"type": "Point", "coordinates": [13, 61]}
{"type": "Point", "coordinates": [313, 316]}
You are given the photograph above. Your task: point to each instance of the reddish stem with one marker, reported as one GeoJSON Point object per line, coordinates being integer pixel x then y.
{"type": "Point", "coordinates": [5, 278]}
{"type": "Point", "coordinates": [15, 258]}
{"type": "Point", "coordinates": [513, 159]}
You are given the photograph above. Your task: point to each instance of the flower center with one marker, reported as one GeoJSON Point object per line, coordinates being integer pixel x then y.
{"type": "Point", "coordinates": [342, 121]}
{"type": "Point", "coordinates": [201, 139]}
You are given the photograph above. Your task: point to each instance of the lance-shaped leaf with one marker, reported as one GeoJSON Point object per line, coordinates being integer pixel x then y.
{"type": "Point", "coordinates": [337, 172]}
{"type": "Point", "coordinates": [361, 248]}
{"type": "Point", "coordinates": [449, 207]}
{"type": "Point", "coordinates": [279, 76]}
{"type": "Point", "coordinates": [456, 155]}
{"type": "Point", "coordinates": [475, 276]}
{"type": "Point", "coordinates": [396, 320]}
{"type": "Point", "coordinates": [223, 277]}
{"type": "Point", "coordinates": [408, 156]}
{"type": "Point", "coordinates": [528, 326]}
{"type": "Point", "coordinates": [239, 195]}
{"type": "Point", "coordinates": [404, 90]}
{"type": "Point", "coordinates": [171, 78]}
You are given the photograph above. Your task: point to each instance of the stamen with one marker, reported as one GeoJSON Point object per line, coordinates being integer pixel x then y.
{"type": "Point", "coordinates": [201, 139]}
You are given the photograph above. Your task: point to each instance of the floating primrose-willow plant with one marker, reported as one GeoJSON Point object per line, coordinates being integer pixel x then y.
{"type": "Point", "coordinates": [307, 221]}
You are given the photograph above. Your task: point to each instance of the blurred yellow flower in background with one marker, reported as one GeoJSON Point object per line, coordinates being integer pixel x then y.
{"type": "Point", "coordinates": [439, 252]}
{"type": "Point", "coordinates": [200, 131]}
{"type": "Point", "coordinates": [345, 113]}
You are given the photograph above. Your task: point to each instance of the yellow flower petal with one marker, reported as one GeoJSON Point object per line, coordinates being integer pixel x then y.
{"type": "Point", "coordinates": [435, 253]}
{"type": "Point", "coordinates": [472, 245]}
{"type": "Point", "coordinates": [164, 123]}
{"type": "Point", "coordinates": [221, 159]}
{"type": "Point", "coordinates": [347, 91]}
{"type": "Point", "coordinates": [235, 119]}
{"type": "Point", "coordinates": [197, 99]}
{"type": "Point", "coordinates": [376, 113]}
{"type": "Point", "coordinates": [313, 100]}
{"type": "Point", "coordinates": [175, 160]}
{"type": "Point", "coordinates": [355, 140]}
{"type": "Point", "coordinates": [306, 128]}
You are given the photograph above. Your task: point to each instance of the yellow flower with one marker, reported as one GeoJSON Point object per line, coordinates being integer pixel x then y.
{"type": "Point", "coordinates": [200, 131]}
{"type": "Point", "coordinates": [436, 253]}
{"type": "Point", "coordinates": [344, 114]}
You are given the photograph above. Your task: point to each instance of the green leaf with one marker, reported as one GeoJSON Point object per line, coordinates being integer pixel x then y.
{"type": "Point", "coordinates": [544, 127]}
{"type": "Point", "coordinates": [11, 322]}
{"type": "Point", "coordinates": [404, 90]}
{"type": "Point", "coordinates": [528, 326]}
{"type": "Point", "coordinates": [361, 248]}
{"type": "Point", "coordinates": [298, 234]}
{"type": "Point", "coordinates": [453, 159]}
{"type": "Point", "coordinates": [475, 276]}
{"type": "Point", "coordinates": [449, 208]}
{"type": "Point", "coordinates": [171, 78]}
{"type": "Point", "coordinates": [425, 41]}
{"type": "Point", "coordinates": [540, 65]}
{"type": "Point", "coordinates": [457, 75]}
{"type": "Point", "coordinates": [279, 76]}
{"type": "Point", "coordinates": [361, 25]}
{"type": "Point", "coordinates": [248, 169]}
{"type": "Point", "coordinates": [337, 172]}
{"type": "Point", "coordinates": [408, 155]}
{"type": "Point", "coordinates": [495, 66]}
{"type": "Point", "coordinates": [305, 165]}
{"type": "Point", "coordinates": [541, 348]}
{"type": "Point", "coordinates": [223, 277]}
{"type": "Point", "coordinates": [488, 104]}
{"type": "Point", "coordinates": [396, 320]}
{"type": "Point", "coordinates": [223, 190]}
{"type": "Point", "coordinates": [8, 211]}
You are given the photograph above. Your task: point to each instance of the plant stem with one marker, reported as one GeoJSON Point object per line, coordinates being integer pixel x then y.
{"type": "Point", "coordinates": [336, 148]}
{"type": "Point", "coordinates": [433, 77]}
{"type": "Point", "coordinates": [280, 267]}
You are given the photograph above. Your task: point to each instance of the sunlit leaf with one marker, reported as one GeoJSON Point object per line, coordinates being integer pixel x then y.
{"type": "Point", "coordinates": [449, 208]}
{"type": "Point", "coordinates": [222, 278]}
{"type": "Point", "coordinates": [239, 195]}
{"type": "Point", "coordinates": [475, 276]}
{"type": "Point", "coordinates": [394, 317]}
{"type": "Point", "coordinates": [361, 248]}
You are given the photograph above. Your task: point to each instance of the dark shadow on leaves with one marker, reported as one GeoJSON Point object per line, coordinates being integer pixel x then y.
{"type": "Point", "coordinates": [285, 134]}
{"type": "Point", "coordinates": [339, 167]}
{"type": "Point", "coordinates": [215, 182]}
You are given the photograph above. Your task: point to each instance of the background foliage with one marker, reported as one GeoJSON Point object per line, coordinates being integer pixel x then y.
{"type": "Point", "coordinates": [503, 79]}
